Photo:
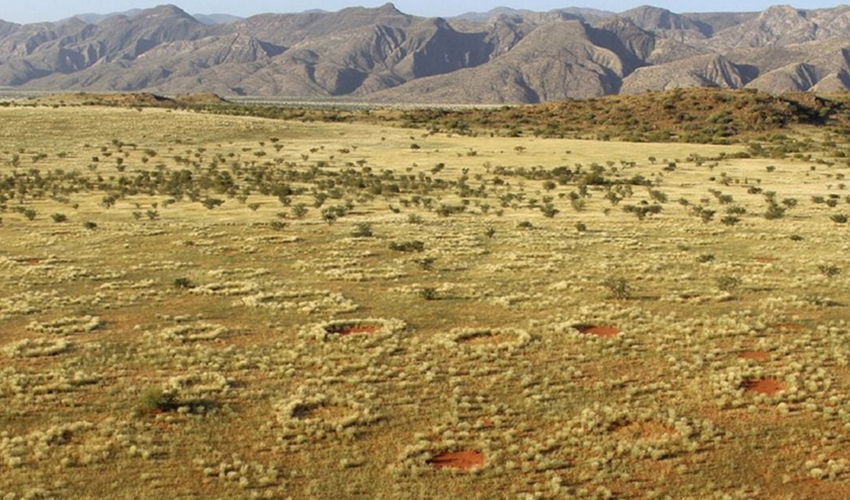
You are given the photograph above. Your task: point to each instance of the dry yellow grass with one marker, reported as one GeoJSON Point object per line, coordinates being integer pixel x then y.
{"type": "Point", "coordinates": [172, 350]}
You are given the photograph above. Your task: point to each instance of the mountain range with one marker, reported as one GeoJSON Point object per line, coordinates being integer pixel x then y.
{"type": "Point", "coordinates": [384, 55]}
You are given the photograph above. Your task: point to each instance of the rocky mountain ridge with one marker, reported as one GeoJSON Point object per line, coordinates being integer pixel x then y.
{"type": "Point", "coordinates": [382, 54]}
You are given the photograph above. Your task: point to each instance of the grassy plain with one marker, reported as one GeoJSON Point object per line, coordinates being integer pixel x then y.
{"type": "Point", "coordinates": [173, 325]}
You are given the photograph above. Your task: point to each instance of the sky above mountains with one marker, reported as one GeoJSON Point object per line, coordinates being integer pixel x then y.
{"type": "Point", "coordinates": [54, 10]}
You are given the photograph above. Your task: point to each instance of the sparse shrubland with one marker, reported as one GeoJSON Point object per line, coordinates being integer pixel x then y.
{"type": "Point", "coordinates": [286, 305]}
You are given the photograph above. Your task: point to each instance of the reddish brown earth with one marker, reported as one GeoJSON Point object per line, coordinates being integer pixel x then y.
{"type": "Point", "coordinates": [30, 262]}
{"type": "Point", "coordinates": [462, 460]}
{"type": "Point", "coordinates": [344, 330]}
{"type": "Point", "coordinates": [484, 340]}
{"type": "Point", "coordinates": [755, 355]}
{"type": "Point", "coordinates": [768, 386]}
{"type": "Point", "coordinates": [321, 411]}
{"type": "Point", "coordinates": [766, 260]}
{"type": "Point", "coordinates": [600, 331]}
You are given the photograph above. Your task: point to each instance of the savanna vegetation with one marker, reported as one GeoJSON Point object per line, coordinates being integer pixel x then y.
{"type": "Point", "coordinates": [200, 303]}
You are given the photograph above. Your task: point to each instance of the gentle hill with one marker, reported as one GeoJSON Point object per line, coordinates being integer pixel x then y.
{"type": "Point", "coordinates": [128, 100]}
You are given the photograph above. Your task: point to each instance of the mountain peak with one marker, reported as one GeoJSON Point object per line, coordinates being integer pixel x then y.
{"type": "Point", "coordinates": [389, 8]}
{"type": "Point", "coordinates": [782, 11]}
{"type": "Point", "coordinates": [656, 18]}
{"type": "Point", "coordinates": [167, 10]}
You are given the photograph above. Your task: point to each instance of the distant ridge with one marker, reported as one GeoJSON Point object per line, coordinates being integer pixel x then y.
{"type": "Point", "coordinates": [385, 55]}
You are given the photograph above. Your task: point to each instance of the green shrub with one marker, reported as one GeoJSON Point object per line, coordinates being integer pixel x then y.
{"type": "Point", "coordinates": [158, 400]}
{"type": "Point", "coordinates": [829, 270]}
{"type": "Point", "coordinates": [728, 283]}
{"type": "Point", "coordinates": [362, 230]}
{"type": "Point", "coordinates": [182, 283]}
{"type": "Point", "coordinates": [618, 288]}
{"type": "Point", "coordinates": [407, 246]}
{"type": "Point", "coordinates": [428, 293]}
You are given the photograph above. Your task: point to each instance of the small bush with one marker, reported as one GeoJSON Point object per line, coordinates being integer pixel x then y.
{"type": "Point", "coordinates": [182, 283]}
{"type": "Point", "coordinates": [362, 230]}
{"type": "Point", "coordinates": [300, 210]}
{"type": "Point", "coordinates": [829, 270]}
{"type": "Point", "coordinates": [57, 217]}
{"type": "Point", "coordinates": [211, 203]}
{"type": "Point", "coordinates": [774, 211]}
{"type": "Point", "coordinates": [618, 288]}
{"type": "Point", "coordinates": [730, 220]}
{"type": "Point", "coordinates": [158, 400]}
{"type": "Point", "coordinates": [428, 293]}
{"type": "Point", "coordinates": [426, 263]}
{"type": "Point", "coordinates": [407, 246]}
{"type": "Point", "coordinates": [727, 283]}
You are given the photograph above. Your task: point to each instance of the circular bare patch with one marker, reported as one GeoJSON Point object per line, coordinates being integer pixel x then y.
{"type": "Point", "coordinates": [378, 328]}
{"type": "Point", "coordinates": [327, 412]}
{"type": "Point", "coordinates": [460, 460]}
{"type": "Point", "coordinates": [488, 338]}
{"type": "Point", "coordinates": [648, 429]}
{"type": "Point", "coordinates": [353, 328]}
{"type": "Point", "coordinates": [493, 339]}
{"type": "Point", "coordinates": [767, 386]}
{"type": "Point", "coordinates": [604, 332]}
{"type": "Point", "coordinates": [309, 416]}
{"type": "Point", "coordinates": [754, 355]}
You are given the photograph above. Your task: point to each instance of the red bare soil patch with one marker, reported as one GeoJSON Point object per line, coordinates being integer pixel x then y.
{"type": "Point", "coordinates": [767, 260]}
{"type": "Point", "coordinates": [768, 386]}
{"type": "Point", "coordinates": [324, 412]}
{"type": "Point", "coordinates": [463, 460]}
{"type": "Point", "coordinates": [600, 331]}
{"type": "Point", "coordinates": [755, 355]}
{"type": "Point", "coordinates": [30, 262]}
{"type": "Point", "coordinates": [344, 330]}
{"type": "Point", "coordinates": [484, 339]}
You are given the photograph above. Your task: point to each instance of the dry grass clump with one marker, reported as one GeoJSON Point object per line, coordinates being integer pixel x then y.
{"type": "Point", "coordinates": [67, 325]}
{"type": "Point", "coordinates": [304, 301]}
{"type": "Point", "coordinates": [227, 288]}
{"type": "Point", "coordinates": [478, 316]}
{"type": "Point", "coordinates": [32, 348]}
{"type": "Point", "coordinates": [200, 384]}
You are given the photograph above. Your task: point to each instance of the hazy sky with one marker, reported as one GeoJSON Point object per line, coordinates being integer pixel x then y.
{"type": "Point", "coordinates": [53, 10]}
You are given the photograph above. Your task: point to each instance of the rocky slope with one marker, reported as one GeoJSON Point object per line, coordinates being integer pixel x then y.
{"type": "Point", "coordinates": [382, 54]}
